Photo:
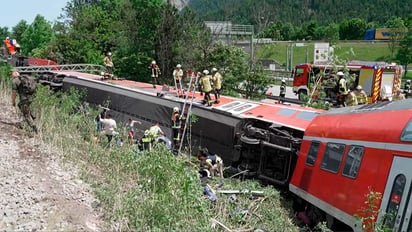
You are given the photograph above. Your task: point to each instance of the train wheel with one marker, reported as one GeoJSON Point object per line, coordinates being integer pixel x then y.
{"type": "Point", "coordinates": [301, 94]}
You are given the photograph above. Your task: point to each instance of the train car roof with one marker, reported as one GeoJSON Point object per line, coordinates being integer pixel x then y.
{"type": "Point", "coordinates": [293, 116]}
{"type": "Point", "coordinates": [384, 122]}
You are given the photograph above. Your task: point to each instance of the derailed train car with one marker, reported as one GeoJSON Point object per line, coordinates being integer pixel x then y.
{"type": "Point", "coordinates": [262, 138]}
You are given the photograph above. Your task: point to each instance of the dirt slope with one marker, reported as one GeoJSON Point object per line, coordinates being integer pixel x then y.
{"type": "Point", "coordinates": [36, 191]}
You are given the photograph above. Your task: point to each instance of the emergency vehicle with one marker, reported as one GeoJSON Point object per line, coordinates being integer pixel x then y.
{"type": "Point", "coordinates": [378, 79]}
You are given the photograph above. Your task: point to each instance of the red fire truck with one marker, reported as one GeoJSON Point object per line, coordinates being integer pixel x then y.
{"type": "Point", "coordinates": [378, 79]}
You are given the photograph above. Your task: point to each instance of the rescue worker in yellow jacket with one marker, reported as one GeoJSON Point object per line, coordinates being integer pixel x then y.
{"type": "Point", "coordinates": [351, 99]}
{"type": "Point", "coordinates": [206, 87]}
{"type": "Point", "coordinates": [217, 84]}
{"type": "Point", "coordinates": [108, 63]}
{"type": "Point", "coordinates": [178, 79]}
{"type": "Point", "coordinates": [398, 95]}
{"type": "Point", "coordinates": [361, 95]}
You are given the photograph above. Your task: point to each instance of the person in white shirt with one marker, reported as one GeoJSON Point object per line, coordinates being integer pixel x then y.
{"type": "Point", "coordinates": [109, 126]}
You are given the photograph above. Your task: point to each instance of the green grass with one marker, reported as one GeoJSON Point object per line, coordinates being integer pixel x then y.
{"type": "Point", "coordinates": [366, 51]}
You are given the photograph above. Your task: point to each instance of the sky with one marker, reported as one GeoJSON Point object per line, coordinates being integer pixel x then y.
{"type": "Point", "coordinates": [15, 10]}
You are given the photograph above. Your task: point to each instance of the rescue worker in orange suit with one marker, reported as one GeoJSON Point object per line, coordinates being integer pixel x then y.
{"type": "Point", "coordinates": [343, 90]}
{"type": "Point", "coordinates": [176, 127]}
{"type": "Point", "coordinates": [206, 87]}
{"type": "Point", "coordinates": [211, 162]}
{"type": "Point", "coordinates": [9, 45]}
{"type": "Point", "coordinates": [178, 78]}
{"type": "Point", "coordinates": [154, 73]}
{"type": "Point", "coordinates": [361, 95]}
{"type": "Point", "coordinates": [217, 84]}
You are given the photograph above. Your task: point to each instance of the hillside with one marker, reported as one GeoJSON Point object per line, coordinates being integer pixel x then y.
{"type": "Point", "coordinates": [299, 11]}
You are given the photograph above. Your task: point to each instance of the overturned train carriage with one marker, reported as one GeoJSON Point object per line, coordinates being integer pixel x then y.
{"type": "Point", "coordinates": [262, 138]}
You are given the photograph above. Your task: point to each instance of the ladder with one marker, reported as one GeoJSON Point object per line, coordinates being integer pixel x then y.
{"type": "Point", "coordinates": [88, 68]}
{"type": "Point", "coordinates": [187, 109]}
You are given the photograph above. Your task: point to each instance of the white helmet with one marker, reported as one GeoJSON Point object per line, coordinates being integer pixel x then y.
{"type": "Point", "coordinates": [408, 81]}
{"type": "Point", "coordinates": [154, 62]}
{"type": "Point", "coordinates": [283, 80]}
{"type": "Point", "coordinates": [109, 53]}
{"type": "Point", "coordinates": [175, 109]}
{"type": "Point", "coordinates": [205, 71]}
{"type": "Point", "coordinates": [178, 66]}
{"type": "Point", "coordinates": [214, 69]}
{"type": "Point", "coordinates": [340, 73]}
{"type": "Point", "coordinates": [359, 87]}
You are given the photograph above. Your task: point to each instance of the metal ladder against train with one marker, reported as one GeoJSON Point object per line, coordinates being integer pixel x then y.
{"type": "Point", "coordinates": [187, 109]}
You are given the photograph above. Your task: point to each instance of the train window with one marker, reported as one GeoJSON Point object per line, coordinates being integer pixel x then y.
{"type": "Point", "coordinates": [299, 72]}
{"type": "Point", "coordinates": [406, 135]}
{"type": "Point", "coordinates": [394, 201]}
{"type": "Point", "coordinates": [307, 115]}
{"type": "Point", "coordinates": [332, 157]}
{"type": "Point", "coordinates": [353, 161]}
{"type": "Point", "coordinates": [313, 153]}
{"type": "Point", "coordinates": [286, 112]}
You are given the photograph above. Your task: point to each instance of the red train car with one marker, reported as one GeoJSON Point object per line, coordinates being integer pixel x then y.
{"type": "Point", "coordinates": [349, 152]}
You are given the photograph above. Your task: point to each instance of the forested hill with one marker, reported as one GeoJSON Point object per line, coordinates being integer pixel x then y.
{"type": "Point", "coordinates": [299, 11]}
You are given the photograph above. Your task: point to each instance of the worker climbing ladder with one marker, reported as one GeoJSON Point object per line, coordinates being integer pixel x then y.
{"type": "Point", "coordinates": [187, 110]}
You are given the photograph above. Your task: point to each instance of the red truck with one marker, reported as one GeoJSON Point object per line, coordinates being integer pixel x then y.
{"type": "Point", "coordinates": [378, 79]}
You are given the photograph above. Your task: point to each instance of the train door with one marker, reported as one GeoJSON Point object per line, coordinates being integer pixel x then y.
{"type": "Point", "coordinates": [396, 207]}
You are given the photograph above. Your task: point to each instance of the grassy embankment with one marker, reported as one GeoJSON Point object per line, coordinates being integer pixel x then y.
{"type": "Point", "coordinates": [154, 191]}
{"type": "Point", "coordinates": [366, 51]}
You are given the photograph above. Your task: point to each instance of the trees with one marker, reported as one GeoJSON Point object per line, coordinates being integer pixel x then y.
{"type": "Point", "coordinates": [404, 54]}
{"type": "Point", "coordinates": [37, 35]}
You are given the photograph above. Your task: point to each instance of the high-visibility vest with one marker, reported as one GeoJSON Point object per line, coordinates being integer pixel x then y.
{"type": "Point", "coordinates": [351, 100]}
{"type": "Point", "coordinates": [217, 80]}
{"type": "Point", "coordinates": [205, 83]}
{"type": "Point", "coordinates": [361, 97]}
{"type": "Point", "coordinates": [342, 86]}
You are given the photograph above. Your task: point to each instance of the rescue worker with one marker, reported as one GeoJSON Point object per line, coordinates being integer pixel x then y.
{"type": "Point", "coordinates": [155, 131]}
{"type": "Point", "coordinates": [108, 63]}
{"type": "Point", "coordinates": [211, 162]}
{"type": "Point", "coordinates": [217, 84]}
{"type": "Point", "coordinates": [146, 141]}
{"type": "Point", "coordinates": [176, 127]}
{"type": "Point", "coordinates": [206, 87]}
{"type": "Point", "coordinates": [351, 99]}
{"type": "Point", "coordinates": [154, 73]}
{"type": "Point", "coordinates": [343, 91]}
{"type": "Point", "coordinates": [10, 48]}
{"type": "Point", "coordinates": [407, 88]}
{"type": "Point", "coordinates": [25, 100]}
{"type": "Point", "coordinates": [282, 93]}
{"type": "Point", "coordinates": [398, 95]}
{"type": "Point", "coordinates": [178, 79]}
{"type": "Point", "coordinates": [361, 95]}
